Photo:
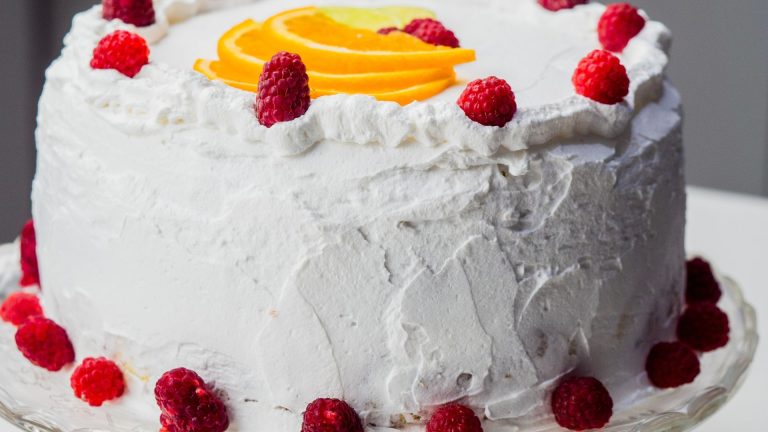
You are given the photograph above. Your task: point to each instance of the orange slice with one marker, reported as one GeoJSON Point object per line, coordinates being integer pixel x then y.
{"type": "Point", "coordinates": [339, 58]}
{"type": "Point", "coordinates": [218, 71]}
{"type": "Point", "coordinates": [333, 47]}
{"type": "Point", "coordinates": [402, 96]}
{"type": "Point", "coordinates": [240, 48]}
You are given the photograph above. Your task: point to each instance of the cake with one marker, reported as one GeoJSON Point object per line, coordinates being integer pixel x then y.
{"type": "Point", "coordinates": [397, 256]}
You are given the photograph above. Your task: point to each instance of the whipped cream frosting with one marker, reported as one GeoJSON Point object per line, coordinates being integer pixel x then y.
{"type": "Point", "coordinates": [396, 257]}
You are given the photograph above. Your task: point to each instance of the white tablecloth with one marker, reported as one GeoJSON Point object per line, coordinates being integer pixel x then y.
{"type": "Point", "coordinates": [731, 230]}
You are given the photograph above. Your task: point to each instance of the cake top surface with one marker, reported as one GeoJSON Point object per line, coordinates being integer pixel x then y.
{"type": "Point", "coordinates": [534, 50]}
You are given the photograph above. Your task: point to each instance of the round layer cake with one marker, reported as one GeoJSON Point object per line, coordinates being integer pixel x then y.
{"type": "Point", "coordinates": [397, 257]}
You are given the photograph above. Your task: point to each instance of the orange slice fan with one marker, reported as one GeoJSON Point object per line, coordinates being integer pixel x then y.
{"type": "Point", "coordinates": [339, 58]}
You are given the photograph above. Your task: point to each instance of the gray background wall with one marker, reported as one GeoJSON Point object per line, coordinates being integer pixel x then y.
{"type": "Point", "coordinates": [30, 38]}
{"type": "Point", "coordinates": [719, 63]}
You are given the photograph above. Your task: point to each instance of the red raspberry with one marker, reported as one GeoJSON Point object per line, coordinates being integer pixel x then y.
{"type": "Point", "coordinates": [556, 5]}
{"type": "Point", "coordinates": [30, 275]}
{"type": "Point", "coordinates": [188, 404]}
{"type": "Point", "coordinates": [618, 25]}
{"type": "Point", "coordinates": [45, 344]}
{"type": "Point", "coordinates": [140, 13]}
{"type": "Point", "coordinates": [601, 77]}
{"type": "Point", "coordinates": [283, 90]}
{"type": "Point", "coordinates": [488, 101]}
{"type": "Point", "coordinates": [19, 307]}
{"type": "Point", "coordinates": [701, 285]}
{"type": "Point", "coordinates": [432, 32]}
{"type": "Point", "coordinates": [582, 403]}
{"type": "Point", "coordinates": [123, 51]}
{"type": "Point", "coordinates": [703, 327]}
{"type": "Point", "coordinates": [387, 30]}
{"type": "Point", "coordinates": [167, 425]}
{"type": "Point", "coordinates": [671, 364]}
{"type": "Point", "coordinates": [330, 415]}
{"type": "Point", "coordinates": [454, 418]}
{"type": "Point", "coordinates": [97, 380]}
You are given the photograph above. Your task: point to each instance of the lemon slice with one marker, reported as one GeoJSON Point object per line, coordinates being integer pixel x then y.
{"type": "Point", "coordinates": [375, 18]}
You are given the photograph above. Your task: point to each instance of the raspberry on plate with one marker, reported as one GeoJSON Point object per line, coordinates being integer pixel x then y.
{"type": "Point", "coordinates": [123, 51]}
{"type": "Point", "coordinates": [19, 307]}
{"type": "Point", "coordinates": [556, 5]}
{"type": "Point", "coordinates": [672, 364]}
{"type": "Point", "coordinates": [30, 275]}
{"type": "Point", "coordinates": [454, 418]}
{"type": "Point", "coordinates": [432, 32]}
{"type": "Point", "coordinates": [97, 380]}
{"type": "Point", "coordinates": [703, 327]}
{"type": "Point", "coordinates": [701, 286]}
{"type": "Point", "coordinates": [283, 90]}
{"type": "Point", "coordinates": [45, 343]}
{"type": "Point", "coordinates": [330, 415]}
{"type": "Point", "coordinates": [140, 13]}
{"type": "Point", "coordinates": [618, 25]}
{"type": "Point", "coordinates": [601, 77]}
{"type": "Point", "coordinates": [188, 404]}
{"type": "Point", "coordinates": [489, 101]}
{"type": "Point", "coordinates": [582, 403]}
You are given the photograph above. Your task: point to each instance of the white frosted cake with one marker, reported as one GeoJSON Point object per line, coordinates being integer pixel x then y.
{"type": "Point", "coordinates": [396, 256]}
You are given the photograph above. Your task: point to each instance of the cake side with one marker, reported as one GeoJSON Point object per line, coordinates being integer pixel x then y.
{"type": "Point", "coordinates": [401, 284]}
{"type": "Point", "coordinates": [399, 277]}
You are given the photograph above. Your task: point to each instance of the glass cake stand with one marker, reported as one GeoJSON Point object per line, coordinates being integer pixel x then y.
{"type": "Point", "coordinates": [38, 401]}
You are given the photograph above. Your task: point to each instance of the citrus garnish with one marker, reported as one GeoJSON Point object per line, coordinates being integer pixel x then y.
{"type": "Point", "coordinates": [217, 71]}
{"type": "Point", "coordinates": [338, 48]}
{"type": "Point", "coordinates": [244, 56]}
{"type": "Point", "coordinates": [339, 58]}
{"type": "Point", "coordinates": [374, 19]}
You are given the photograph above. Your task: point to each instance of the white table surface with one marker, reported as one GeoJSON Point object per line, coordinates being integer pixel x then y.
{"type": "Point", "coordinates": [732, 231]}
